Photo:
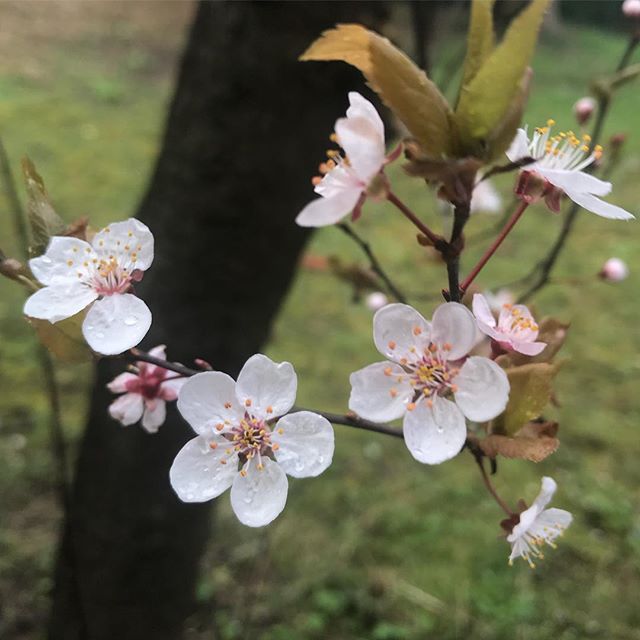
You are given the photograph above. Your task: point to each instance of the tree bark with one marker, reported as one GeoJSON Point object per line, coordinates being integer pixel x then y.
{"type": "Point", "coordinates": [247, 126]}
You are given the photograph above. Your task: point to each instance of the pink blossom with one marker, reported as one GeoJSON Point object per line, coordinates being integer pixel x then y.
{"type": "Point", "coordinates": [145, 393]}
{"type": "Point", "coordinates": [614, 270]}
{"type": "Point", "coordinates": [631, 8]}
{"type": "Point", "coordinates": [583, 109]}
{"type": "Point", "coordinates": [515, 329]}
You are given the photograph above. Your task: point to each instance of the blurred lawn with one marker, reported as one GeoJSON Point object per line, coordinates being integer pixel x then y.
{"type": "Point", "coordinates": [379, 547]}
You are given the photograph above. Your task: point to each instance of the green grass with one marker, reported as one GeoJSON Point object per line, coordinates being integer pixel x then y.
{"type": "Point", "coordinates": [379, 547]}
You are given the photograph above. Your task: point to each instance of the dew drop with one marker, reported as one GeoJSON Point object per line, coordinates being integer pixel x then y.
{"type": "Point", "coordinates": [130, 321]}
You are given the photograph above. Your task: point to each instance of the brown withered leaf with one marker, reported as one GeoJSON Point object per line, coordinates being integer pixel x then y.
{"type": "Point", "coordinates": [534, 442]}
{"type": "Point", "coordinates": [531, 389]}
{"type": "Point", "coordinates": [64, 339]}
{"type": "Point", "coordinates": [399, 82]}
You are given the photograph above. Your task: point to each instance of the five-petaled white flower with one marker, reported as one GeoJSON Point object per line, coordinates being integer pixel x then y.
{"type": "Point", "coordinates": [344, 186]}
{"type": "Point", "coordinates": [241, 443]}
{"type": "Point", "coordinates": [145, 393]}
{"type": "Point", "coordinates": [515, 330]}
{"type": "Point", "coordinates": [559, 160]}
{"type": "Point", "coordinates": [428, 367]}
{"type": "Point", "coordinates": [77, 274]}
{"type": "Point", "coordinates": [538, 526]}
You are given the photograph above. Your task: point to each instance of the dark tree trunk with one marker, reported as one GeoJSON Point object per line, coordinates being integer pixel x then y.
{"type": "Point", "coordinates": [246, 129]}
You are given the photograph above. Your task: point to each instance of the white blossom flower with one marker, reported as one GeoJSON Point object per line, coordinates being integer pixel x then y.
{"type": "Point", "coordinates": [485, 198]}
{"type": "Point", "coordinates": [346, 181]}
{"type": "Point", "coordinates": [145, 393]}
{"type": "Point", "coordinates": [559, 162]}
{"type": "Point", "coordinates": [538, 526]}
{"type": "Point", "coordinates": [77, 274]}
{"type": "Point", "coordinates": [614, 270]}
{"type": "Point", "coordinates": [515, 330]}
{"type": "Point", "coordinates": [429, 381]}
{"type": "Point", "coordinates": [241, 443]}
{"type": "Point", "coordinates": [376, 300]}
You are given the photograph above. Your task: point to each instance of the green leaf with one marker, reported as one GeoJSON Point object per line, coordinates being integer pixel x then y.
{"type": "Point", "coordinates": [401, 85]}
{"type": "Point", "coordinates": [43, 219]}
{"type": "Point", "coordinates": [480, 38]}
{"type": "Point", "coordinates": [64, 339]}
{"type": "Point", "coordinates": [487, 99]}
{"type": "Point", "coordinates": [531, 390]}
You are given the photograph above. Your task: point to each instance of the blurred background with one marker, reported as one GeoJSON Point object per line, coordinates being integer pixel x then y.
{"type": "Point", "coordinates": [379, 547]}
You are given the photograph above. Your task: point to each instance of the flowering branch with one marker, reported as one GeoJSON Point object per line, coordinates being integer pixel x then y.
{"type": "Point", "coordinates": [435, 239]}
{"type": "Point", "coordinates": [452, 252]}
{"type": "Point", "coordinates": [373, 261]}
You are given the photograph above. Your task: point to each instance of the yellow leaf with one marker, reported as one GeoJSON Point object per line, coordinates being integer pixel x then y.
{"type": "Point", "coordinates": [480, 38]}
{"type": "Point", "coordinates": [486, 100]}
{"type": "Point", "coordinates": [401, 85]}
{"type": "Point", "coordinates": [64, 339]}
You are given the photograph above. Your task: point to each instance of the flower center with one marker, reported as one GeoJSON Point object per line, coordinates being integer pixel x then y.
{"type": "Point", "coordinates": [517, 322]}
{"type": "Point", "coordinates": [334, 159]}
{"type": "Point", "coordinates": [432, 374]}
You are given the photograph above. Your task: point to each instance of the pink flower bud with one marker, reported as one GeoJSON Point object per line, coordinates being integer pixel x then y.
{"type": "Point", "coordinates": [614, 270]}
{"type": "Point", "coordinates": [584, 108]}
{"type": "Point", "coordinates": [631, 9]}
{"type": "Point", "coordinates": [376, 300]}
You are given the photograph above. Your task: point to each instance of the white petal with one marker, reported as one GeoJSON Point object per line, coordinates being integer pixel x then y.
{"type": "Point", "coordinates": [576, 181]}
{"type": "Point", "coordinates": [170, 388]}
{"type": "Point", "coordinates": [377, 396]}
{"type": "Point", "coordinates": [116, 323]}
{"type": "Point", "coordinates": [153, 417]}
{"type": "Point", "coordinates": [482, 310]}
{"type": "Point", "coordinates": [554, 522]}
{"type": "Point", "coordinates": [363, 146]}
{"type": "Point", "coordinates": [434, 434]}
{"type": "Point", "coordinates": [260, 496]}
{"type": "Point", "coordinates": [267, 389]}
{"type": "Point", "coordinates": [306, 444]}
{"type": "Point", "coordinates": [59, 301]}
{"type": "Point", "coordinates": [130, 239]}
{"type": "Point", "coordinates": [528, 348]}
{"type": "Point", "coordinates": [159, 352]}
{"type": "Point", "coordinates": [200, 472]}
{"type": "Point", "coordinates": [127, 409]}
{"type": "Point", "coordinates": [519, 146]}
{"type": "Point", "coordinates": [329, 210]}
{"type": "Point", "coordinates": [208, 399]}
{"type": "Point", "coordinates": [400, 332]}
{"type": "Point", "coordinates": [119, 383]}
{"type": "Point", "coordinates": [547, 489]}
{"type": "Point", "coordinates": [453, 324]}
{"type": "Point", "coordinates": [360, 107]}
{"type": "Point", "coordinates": [599, 207]}
{"type": "Point", "coordinates": [62, 260]}
{"type": "Point", "coordinates": [483, 389]}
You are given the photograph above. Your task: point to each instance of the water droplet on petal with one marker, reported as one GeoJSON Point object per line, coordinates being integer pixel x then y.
{"type": "Point", "coordinates": [130, 321]}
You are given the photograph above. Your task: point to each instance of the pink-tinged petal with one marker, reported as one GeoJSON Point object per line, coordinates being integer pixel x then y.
{"type": "Point", "coordinates": [59, 301]}
{"type": "Point", "coordinates": [127, 409]}
{"type": "Point", "coordinates": [208, 400]}
{"type": "Point", "coordinates": [519, 146]}
{"type": "Point", "coordinates": [360, 107]}
{"type": "Point", "coordinates": [305, 444]}
{"type": "Point", "coordinates": [363, 146]}
{"type": "Point", "coordinates": [548, 487]}
{"type": "Point", "coordinates": [482, 310]}
{"type": "Point", "coordinates": [62, 261]}
{"type": "Point", "coordinates": [119, 383]}
{"type": "Point", "coordinates": [130, 239]}
{"type": "Point", "coordinates": [154, 416]}
{"type": "Point", "coordinates": [267, 389]}
{"type": "Point", "coordinates": [116, 323]}
{"type": "Point", "coordinates": [453, 325]}
{"type": "Point", "coordinates": [170, 388]}
{"type": "Point", "coordinates": [329, 210]}
{"type": "Point", "coordinates": [203, 469]}
{"type": "Point", "coordinates": [528, 348]}
{"type": "Point", "coordinates": [159, 352]}
{"type": "Point", "coordinates": [576, 181]}
{"type": "Point", "coordinates": [599, 207]}
{"type": "Point", "coordinates": [483, 389]}
{"type": "Point", "coordinates": [435, 433]}
{"type": "Point", "coordinates": [380, 392]}
{"type": "Point", "coordinates": [400, 333]}
{"type": "Point", "coordinates": [259, 497]}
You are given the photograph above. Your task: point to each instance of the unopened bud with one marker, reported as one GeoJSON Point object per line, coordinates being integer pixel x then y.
{"type": "Point", "coordinates": [203, 364]}
{"type": "Point", "coordinates": [614, 270]}
{"type": "Point", "coordinates": [584, 108]}
{"type": "Point", "coordinates": [11, 268]}
{"type": "Point", "coordinates": [376, 300]}
{"type": "Point", "coordinates": [617, 140]}
{"type": "Point", "coordinates": [631, 9]}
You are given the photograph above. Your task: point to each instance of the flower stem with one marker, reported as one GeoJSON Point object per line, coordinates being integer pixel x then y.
{"type": "Point", "coordinates": [434, 238]}
{"type": "Point", "coordinates": [490, 488]}
{"type": "Point", "coordinates": [494, 246]}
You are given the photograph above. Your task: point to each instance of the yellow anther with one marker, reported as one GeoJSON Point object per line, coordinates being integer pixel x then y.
{"type": "Point", "coordinates": [247, 402]}
{"type": "Point", "coordinates": [70, 263]}
{"type": "Point", "coordinates": [280, 430]}
{"type": "Point", "coordinates": [316, 180]}
{"type": "Point", "coordinates": [219, 426]}
{"type": "Point", "coordinates": [388, 371]}
{"type": "Point", "coordinates": [393, 392]}
{"type": "Point", "coordinates": [550, 122]}
{"type": "Point", "coordinates": [269, 409]}
{"type": "Point", "coordinates": [391, 345]}
{"type": "Point", "coordinates": [213, 445]}
{"type": "Point", "coordinates": [411, 406]}
{"type": "Point", "coordinates": [417, 331]}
